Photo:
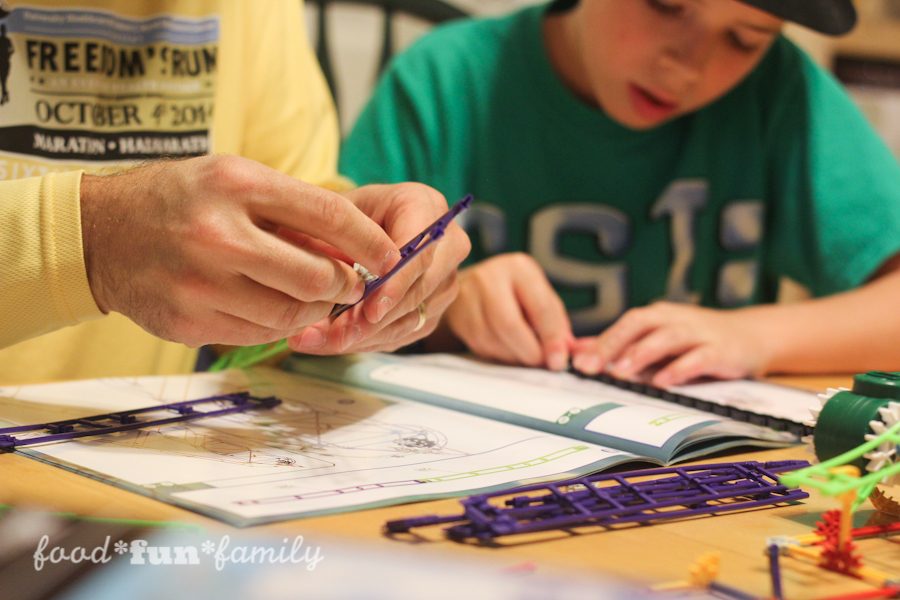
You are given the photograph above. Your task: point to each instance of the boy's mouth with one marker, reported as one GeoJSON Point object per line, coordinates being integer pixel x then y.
{"type": "Point", "coordinates": [648, 105]}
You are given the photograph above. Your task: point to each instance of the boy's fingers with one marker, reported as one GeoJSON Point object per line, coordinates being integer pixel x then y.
{"type": "Point", "coordinates": [509, 326]}
{"type": "Point", "coordinates": [630, 327]}
{"type": "Point", "coordinates": [652, 348]}
{"type": "Point", "coordinates": [687, 367]}
{"type": "Point", "coordinates": [547, 315]}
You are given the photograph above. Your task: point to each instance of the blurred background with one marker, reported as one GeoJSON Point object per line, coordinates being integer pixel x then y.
{"type": "Point", "coordinates": [867, 60]}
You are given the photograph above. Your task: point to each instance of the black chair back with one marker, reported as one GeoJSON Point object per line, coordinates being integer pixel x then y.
{"type": "Point", "coordinates": [432, 11]}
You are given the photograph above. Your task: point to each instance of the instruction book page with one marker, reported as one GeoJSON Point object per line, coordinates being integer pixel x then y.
{"type": "Point", "coordinates": [326, 448]}
{"type": "Point", "coordinates": [565, 404]}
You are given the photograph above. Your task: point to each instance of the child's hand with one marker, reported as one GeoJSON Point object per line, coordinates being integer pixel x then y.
{"type": "Point", "coordinates": [696, 341]}
{"type": "Point", "coordinates": [508, 311]}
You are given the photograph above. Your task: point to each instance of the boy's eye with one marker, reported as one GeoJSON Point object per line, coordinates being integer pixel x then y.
{"type": "Point", "coordinates": [741, 44]}
{"type": "Point", "coordinates": [667, 7]}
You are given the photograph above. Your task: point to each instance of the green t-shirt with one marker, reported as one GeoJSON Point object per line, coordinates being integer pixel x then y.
{"type": "Point", "coordinates": [781, 177]}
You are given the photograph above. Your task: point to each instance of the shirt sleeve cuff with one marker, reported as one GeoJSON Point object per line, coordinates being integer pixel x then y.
{"type": "Point", "coordinates": [63, 248]}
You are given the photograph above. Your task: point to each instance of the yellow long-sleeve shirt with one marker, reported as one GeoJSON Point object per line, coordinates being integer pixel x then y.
{"type": "Point", "coordinates": [109, 83]}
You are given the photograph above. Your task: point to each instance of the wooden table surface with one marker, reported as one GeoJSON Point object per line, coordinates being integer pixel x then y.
{"type": "Point", "coordinates": [647, 554]}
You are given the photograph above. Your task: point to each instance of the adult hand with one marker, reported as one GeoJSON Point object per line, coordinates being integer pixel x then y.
{"type": "Point", "coordinates": [391, 317]}
{"type": "Point", "coordinates": [689, 340]}
{"type": "Point", "coordinates": [198, 251]}
{"type": "Point", "coordinates": [508, 311]}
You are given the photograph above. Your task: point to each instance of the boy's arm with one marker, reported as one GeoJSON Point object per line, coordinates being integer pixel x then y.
{"type": "Point", "coordinates": [852, 331]}
{"type": "Point", "coordinates": [847, 332]}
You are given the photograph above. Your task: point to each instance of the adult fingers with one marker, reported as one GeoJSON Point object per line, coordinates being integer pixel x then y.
{"type": "Point", "coordinates": [306, 276]}
{"type": "Point", "coordinates": [400, 333]}
{"type": "Point", "coordinates": [219, 328]}
{"type": "Point", "coordinates": [435, 264]}
{"type": "Point", "coordinates": [324, 215]}
{"type": "Point", "coordinates": [255, 303]}
{"type": "Point", "coordinates": [403, 211]}
{"type": "Point", "coordinates": [351, 333]}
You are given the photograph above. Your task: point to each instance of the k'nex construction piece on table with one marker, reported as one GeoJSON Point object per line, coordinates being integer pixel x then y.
{"type": "Point", "coordinates": [126, 420]}
{"type": "Point", "coordinates": [610, 499]}
{"type": "Point", "coordinates": [241, 358]}
{"type": "Point", "coordinates": [857, 432]}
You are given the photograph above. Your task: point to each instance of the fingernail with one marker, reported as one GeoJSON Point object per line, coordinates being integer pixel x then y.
{"type": "Point", "coordinates": [390, 259]}
{"type": "Point", "coordinates": [312, 339]}
{"type": "Point", "coordinates": [587, 364]}
{"type": "Point", "coordinates": [358, 292]}
{"type": "Point", "coordinates": [384, 305]}
{"type": "Point", "coordinates": [623, 368]}
{"type": "Point", "coordinates": [350, 336]}
{"type": "Point", "coordinates": [578, 362]}
{"type": "Point", "coordinates": [556, 361]}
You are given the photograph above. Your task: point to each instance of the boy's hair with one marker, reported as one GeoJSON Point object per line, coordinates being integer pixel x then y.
{"type": "Point", "coordinates": [831, 17]}
{"type": "Point", "coordinates": [559, 6]}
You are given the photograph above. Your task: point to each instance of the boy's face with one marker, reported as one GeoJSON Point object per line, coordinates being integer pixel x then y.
{"type": "Point", "coordinates": [648, 61]}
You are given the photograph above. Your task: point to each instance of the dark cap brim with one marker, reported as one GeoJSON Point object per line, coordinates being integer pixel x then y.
{"type": "Point", "coordinates": [831, 17]}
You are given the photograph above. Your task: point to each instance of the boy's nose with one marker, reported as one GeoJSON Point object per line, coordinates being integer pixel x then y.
{"type": "Point", "coordinates": [683, 61]}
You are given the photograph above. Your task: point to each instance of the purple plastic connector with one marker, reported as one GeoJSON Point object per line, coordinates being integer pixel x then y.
{"type": "Point", "coordinates": [610, 499]}
{"type": "Point", "coordinates": [774, 553]}
{"type": "Point", "coordinates": [127, 420]}
{"type": "Point", "coordinates": [413, 247]}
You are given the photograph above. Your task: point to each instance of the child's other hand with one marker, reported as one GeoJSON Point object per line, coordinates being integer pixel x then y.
{"type": "Point", "coordinates": [689, 340]}
{"type": "Point", "coordinates": [508, 311]}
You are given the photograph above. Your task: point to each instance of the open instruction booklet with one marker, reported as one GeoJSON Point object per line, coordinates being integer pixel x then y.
{"type": "Point", "coordinates": [376, 430]}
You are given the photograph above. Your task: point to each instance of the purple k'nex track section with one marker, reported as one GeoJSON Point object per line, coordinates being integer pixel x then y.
{"type": "Point", "coordinates": [127, 420]}
{"type": "Point", "coordinates": [610, 499]}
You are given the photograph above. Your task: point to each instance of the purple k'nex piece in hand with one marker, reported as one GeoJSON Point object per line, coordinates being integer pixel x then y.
{"type": "Point", "coordinates": [413, 247]}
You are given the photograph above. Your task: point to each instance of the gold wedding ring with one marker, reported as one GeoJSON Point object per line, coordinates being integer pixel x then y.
{"type": "Point", "coordinates": [422, 316]}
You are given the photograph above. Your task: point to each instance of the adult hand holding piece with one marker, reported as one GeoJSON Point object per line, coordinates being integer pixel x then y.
{"type": "Point", "coordinates": [408, 306]}
{"type": "Point", "coordinates": [202, 250]}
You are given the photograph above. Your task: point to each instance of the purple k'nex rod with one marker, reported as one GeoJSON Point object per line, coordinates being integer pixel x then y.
{"type": "Point", "coordinates": [413, 247]}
